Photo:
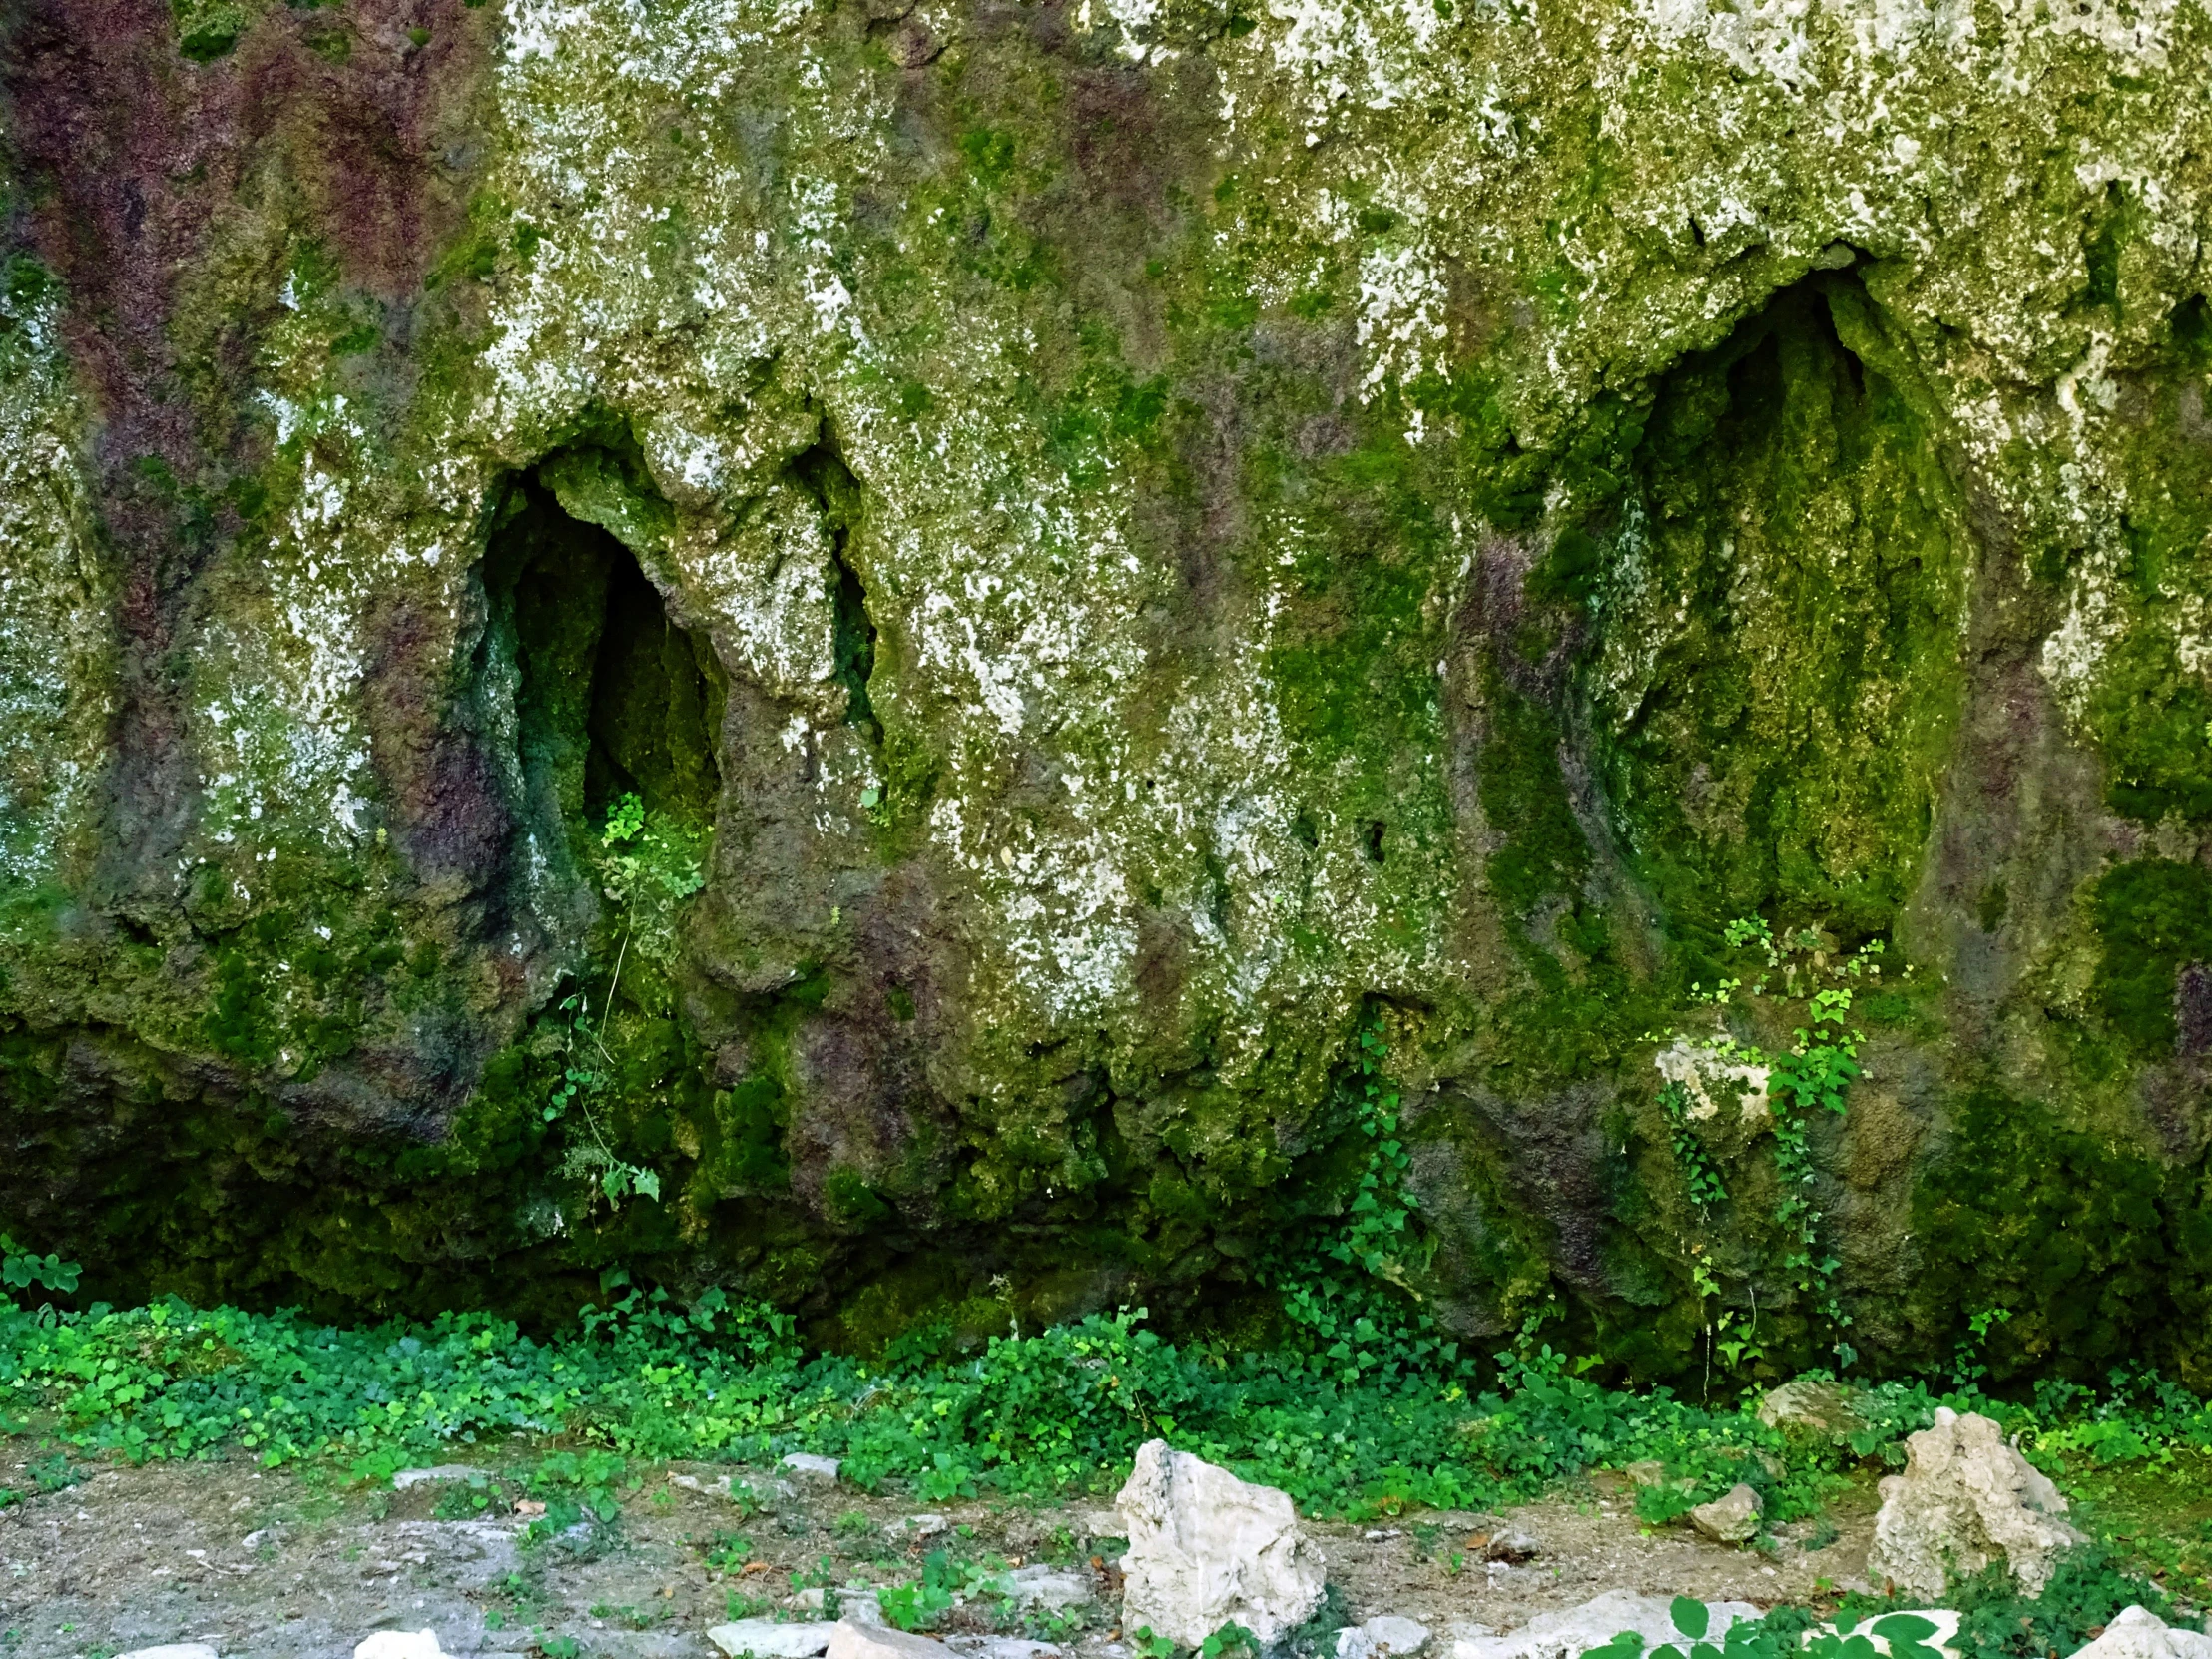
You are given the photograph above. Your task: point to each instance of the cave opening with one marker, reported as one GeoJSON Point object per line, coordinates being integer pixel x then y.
{"type": "Point", "coordinates": [613, 698]}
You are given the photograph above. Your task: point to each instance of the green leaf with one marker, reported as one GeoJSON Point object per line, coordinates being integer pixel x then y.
{"type": "Point", "coordinates": [1691, 1616]}
{"type": "Point", "coordinates": [1903, 1627]}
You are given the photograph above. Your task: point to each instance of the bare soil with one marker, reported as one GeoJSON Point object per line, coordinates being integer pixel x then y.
{"type": "Point", "coordinates": [283, 1564]}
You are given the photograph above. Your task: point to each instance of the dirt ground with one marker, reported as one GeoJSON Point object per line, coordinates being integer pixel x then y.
{"type": "Point", "coordinates": [298, 1565]}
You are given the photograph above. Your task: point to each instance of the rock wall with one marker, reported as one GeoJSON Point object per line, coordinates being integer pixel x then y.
{"type": "Point", "coordinates": [1113, 546]}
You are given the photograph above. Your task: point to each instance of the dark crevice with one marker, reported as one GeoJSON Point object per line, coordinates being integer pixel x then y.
{"type": "Point", "coordinates": [613, 698]}
{"type": "Point", "coordinates": [1371, 839]}
{"type": "Point", "coordinates": [822, 473]}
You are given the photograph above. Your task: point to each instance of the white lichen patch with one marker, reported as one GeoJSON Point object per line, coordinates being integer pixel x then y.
{"type": "Point", "coordinates": [56, 656]}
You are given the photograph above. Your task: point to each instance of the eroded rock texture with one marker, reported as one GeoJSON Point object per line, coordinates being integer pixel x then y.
{"type": "Point", "coordinates": [1114, 544]}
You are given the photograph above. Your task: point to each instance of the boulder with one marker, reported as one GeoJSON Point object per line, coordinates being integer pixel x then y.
{"type": "Point", "coordinates": [401, 1644]}
{"type": "Point", "coordinates": [1966, 1499]}
{"type": "Point", "coordinates": [1811, 1406]}
{"type": "Point", "coordinates": [808, 1467]}
{"type": "Point", "coordinates": [1207, 1550]}
{"type": "Point", "coordinates": [1574, 1632]}
{"type": "Point", "coordinates": [2141, 1634]}
{"type": "Point", "coordinates": [767, 1639]}
{"type": "Point", "coordinates": [850, 1641]}
{"type": "Point", "coordinates": [1731, 1518]}
{"type": "Point", "coordinates": [1386, 1637]}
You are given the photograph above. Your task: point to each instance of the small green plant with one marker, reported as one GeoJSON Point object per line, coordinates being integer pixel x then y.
{"type": "Point", "coordinates": [20, 1269]}
{"type": "Point", "coordinates": [921, 1604]}
{"type": "Point", "coordinates": [946, 1476]}
{"type": "Point", "coordinates": [853, 1524]}
{"type": "Point", "coordinates": [725, 1552]}
{"type": "Point", "coordinates": [1231, 1639]}
{"type": "Point", "coordinates": [56, 1473]}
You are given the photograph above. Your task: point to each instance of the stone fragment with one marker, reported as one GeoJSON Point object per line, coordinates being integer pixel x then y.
{"type": "Point", "coordinates": [401, 1644]}
{"type": "Point", "coordinates": [767, 1639]}
{"type": "Point", "coordinates": [1050, 1588]}
{"type": "Point", "coordinates": [810, 1466]}
{"type": "Point", "coordinates": [1731, 1518]}
{"type": "Point", "coordinates": [1104, 1523]}
{"type": "Point", "coordinates": [1001, 1647]}
{"type": "Point", "coordinates": [1386, 1637]}
{"type": "Point", "coordinates": [1966, 1498]}
{"type": "Point", "coordinates": [2138, 1633]}
{"type": "Point", "coordinates": [442, 1471]}
{"type": "Point", "coordinates": [1574, 1632]}
{"type": "Point", "coordinates": [919, 1526]}
{"type": "Point", "coordinates": [172, 1650]}
{"type": "Point", "coordinates": [1207, 1550]}
{"type": "Point", "coordinates": [1512, 1545]}
{"type": "Point", "coordinates": [1821, 1407]}
{"type": "Point", "coordinates": [848, 1640]}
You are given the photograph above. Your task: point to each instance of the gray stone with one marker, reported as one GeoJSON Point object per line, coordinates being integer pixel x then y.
{"type": "Point", "coordinates": [442, 1471]}
{"type": "Point", "coordinates": [401, 1645]}
{"type": "Point", "coordinates": [2138, 1633]}
{"type": "Point", "coordinates": [1810, 1404]}
{"type": "Point", "coordinates": [173, 1650]}
{"type": "Point", "coordinates": [769, 1639]}
{"type": "Point", "coordinates": [1575, 1631]}
{"type": "Point", "coordinates": [1386, 1637]}
{"type": "Point", "coordinates": [848, 1640]}
{"type": "Point", "coordinates": [1731, 1518]}
{"type": "Point", "coordinates": [1207, 1550]}
{"type": "Point", "coordinates": [808, 1467]}
{"type": "Point", "coordinates": [1049, 1587]}
{"type": "Point", "coordinates": [1001, 1647]}
{"type": "Point", "coordinates": [919, 1526]}
{"type": "Point", "coordinates": [1966, 1499]}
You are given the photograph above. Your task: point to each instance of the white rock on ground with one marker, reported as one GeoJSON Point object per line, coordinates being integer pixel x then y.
{"type": "Point", "coordinates": [1966, 1498]}
{"type": "Point", "coordinates": [809, 1465]}
{"type": "Point", "coordinates": [1944, 1639]}
{"type": "Point", "coordinates": [401, 1644]}
{"type": "Point", "coordinates": [879, 1641]}
{"type": "Point", "coordinates": [173, 1650]}
{"type": "Point", "coordinates": [1386, 1637]}
{"type": "Point", "coordinates": [1001, 1647]}
{"type": "Point", "coordinates": [1207, 1550]}
{"type": "Point", "coordinates": [919, 1526]}
{"type": "Point", "coordinates": [1731, 1518]}
{"type": "Point", "coordinates": [443, 1471]}
{"type": "Point", "coordinates": [1049, 1587]}
{"type": "Point", "coordinates": [767, 1639]}
{"type": "Point", "coordinates": [1572, 1633]}
{"type": "Point", "coordinates": [2141, 1634]}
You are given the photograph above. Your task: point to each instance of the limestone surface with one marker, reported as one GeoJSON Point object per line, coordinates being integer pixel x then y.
{"type": "Point", "coordinates": [1967, 1498]}
{"type": "Point", "coordinates": [755, 639]}
{"type": "Point", "coordinates": [1207, 1550]}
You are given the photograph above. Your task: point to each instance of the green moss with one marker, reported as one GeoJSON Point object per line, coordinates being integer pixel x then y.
{"type": "Point", "coordinates": [2102, 1253]}
{"type": "Point", "coordinates": [1798, 553]}
{"type": "Point", "coordinates": [2154, 918]}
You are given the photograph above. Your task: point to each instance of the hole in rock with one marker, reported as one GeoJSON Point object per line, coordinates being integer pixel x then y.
{"type": "Point", "coordinates": [613, 698]}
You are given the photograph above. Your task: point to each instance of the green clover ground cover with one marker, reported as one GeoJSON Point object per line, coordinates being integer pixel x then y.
{"type": "Point", "coordinates": [1395, 1422]}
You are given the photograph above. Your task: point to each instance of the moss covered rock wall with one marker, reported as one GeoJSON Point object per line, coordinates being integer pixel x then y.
{"type": "Point", "coordinates": [838, 646]}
